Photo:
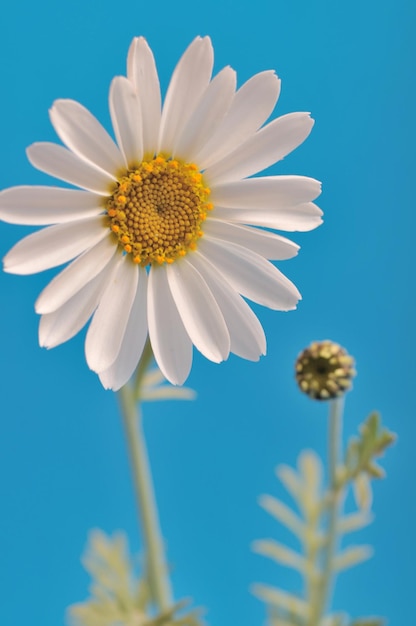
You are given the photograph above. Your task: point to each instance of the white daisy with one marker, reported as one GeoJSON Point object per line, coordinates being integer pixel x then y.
{"type": "Point", "coordinates": [165, 227]}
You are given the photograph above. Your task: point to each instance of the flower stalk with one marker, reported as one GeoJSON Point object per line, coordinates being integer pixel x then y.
{"type": "Point", "coordinates": [320, 599]}
{"type": "Point", "coordinates": [156, 566]}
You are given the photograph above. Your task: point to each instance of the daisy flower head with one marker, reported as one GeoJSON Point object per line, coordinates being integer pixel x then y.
{"type": "Point", "coordinates": [165, 230]}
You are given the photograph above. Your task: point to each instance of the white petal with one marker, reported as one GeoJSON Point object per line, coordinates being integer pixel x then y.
{"type": "Point", "coordinates": [250, 274]}
{"type": "Point", "coordinates": [141, 70]}
{"type": "Point", "coordinates": [252, 105]}
{"type": "Point", "coordinates": [57, 327]}
{"type": "Point", "coordinates": [37, 206]}
{"type": "Point", "coordinates": [246, 333]}
{"type": "Point", "coordinates": [267, 192]}
{"type": "Point", "coordinates": [208, 114]}
{"type": "Point", "coordinates": [59, 162]}
{"type": "Point", "coordinates": [267, 146]}
{"type": "Point", "coordinates": [108, 325]}
{"type": "Point", "coordinates": [301, 217]}
{"type": "Point", "coordinates": [267, 244]}
{"type": "Point", "coordinates": [68, 282]}
{"type": "Point", "coordinates": [126, 118]}
{"type": "Point", "coordinates": [134, 339]}
{"type": "Point", "coordinates": [189, 80]}
{"type": "Point", "coordinates": [83, 134]}
{"type": "Point", "coordinates": [171, 345]}
{"type": "Point", "coordinates": [199, 311]}
{"type": "Point", "coordinates": [53, 246]}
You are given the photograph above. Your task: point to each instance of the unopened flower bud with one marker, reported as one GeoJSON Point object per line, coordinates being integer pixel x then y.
{"type": "Point", "coordinates": [324, 370]}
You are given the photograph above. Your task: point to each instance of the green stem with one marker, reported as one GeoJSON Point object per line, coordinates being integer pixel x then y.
{"type": "Point", "coordinates": [336, 409]}
{"type": "Point", "coordinates": [157, 570]}
{"type": "Point", "coordinates": [142, 367]}
{"type": "Point", "coordinates": [320, 602]}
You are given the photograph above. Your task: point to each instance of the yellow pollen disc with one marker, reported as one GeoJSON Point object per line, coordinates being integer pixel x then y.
{"type": "Point", "coordinates": [157, 210]}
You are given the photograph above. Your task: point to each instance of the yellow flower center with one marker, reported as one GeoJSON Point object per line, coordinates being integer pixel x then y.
{"type": "Point", "coordinates": [157, 210]}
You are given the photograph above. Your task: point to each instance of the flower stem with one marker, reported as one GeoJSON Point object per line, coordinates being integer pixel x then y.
{"type": "Point", "coordinates": [336, 409]}
{"type": "Point", "coordinates": [320, 602]}
{"type": "Point", "coordinates": [157, 570]}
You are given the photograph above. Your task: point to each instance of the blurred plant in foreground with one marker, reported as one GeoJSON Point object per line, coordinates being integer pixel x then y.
{"type": "Point", "coordinates": [118, 596]}
{"type": "Point", "coordinates": [324, 371]}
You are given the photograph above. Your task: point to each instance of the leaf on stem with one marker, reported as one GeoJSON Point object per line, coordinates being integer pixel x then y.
{"type": "Point", "coordinates": [310, 468]}
{"type": "Point", "coordinates": [305, 485]}
{"type": "Point", "coordinates": [279, 618]}
{"type": "Point", "coordinates": [362, 450]}
{"type": "Point", "coordinates": [283, 514]}
{"type": "Point", "coordinates": [281, 554]}
{"type": "Point", "coordinates": [167, 392]}
{"type": "Point", "coordinates": [290, 479]}
{"type": "Point", "coordinates": [352, 556]}
{"type": "Point", "coordinates": [368, 621]}
{"type": "Point", "coordinates": [363, 492]}
{"type": "Point", "coordinates": [335, 619]}
{"type": "Point", "coordinates": [353, 521]}
{"type": "Point", "coordinates": [118, 595]}
{"type": "Point", "coordinates": [153, 388]}
{"type": "Point", "coordinates": [283, 600]}
{"type": "Point", "coordinates": [115, 593]}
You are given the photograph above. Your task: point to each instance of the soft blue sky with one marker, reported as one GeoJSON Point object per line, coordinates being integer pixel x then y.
{"type": "Point", "coordinates": [63, 467]}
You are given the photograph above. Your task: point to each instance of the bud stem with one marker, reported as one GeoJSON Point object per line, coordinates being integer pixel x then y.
{"type": "Point", "coordinates": [320, 602]}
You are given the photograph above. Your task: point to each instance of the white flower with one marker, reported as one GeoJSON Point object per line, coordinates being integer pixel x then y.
{"type": "Point", "coordinates": [162, 228]}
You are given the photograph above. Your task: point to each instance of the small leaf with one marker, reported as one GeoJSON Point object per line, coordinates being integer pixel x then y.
{"type": "Point", "coordinates": [153, 378]}
{"type": "Point", "coordinates": [153, 388]}
{"type": "Point", "coordinates": [291, 480]}
{"type": "Point", "coordinates": [168, 393]}
{"type": "Point", "coordinates": [170, 617]}
{"type": "Point", "coordinates": [375, 471]}
{"type": "Point", "coordinates": [386, 439]}
{"type": "Point", "coordinates": [281, 599]}
{"type": "Point", "coordinates": [369, 621]}
{"type": "Point", "coordinates": [361, 452]}
{"type": "Point", "coordinates": [278, 620]}
{"type": "Point", "coordinates": [310, 468]}
{"type": "Point", "coordinates": [336, 619]}
{"type": "Point", "coordinates": [352, 454]}
{"type": "Point", "coordinates": [279, 553]}
{"type": "Point", "coordinates": [370, 427]}
{"type": "Point", "coordinates": [352, 556]}
{"type": "Point", "coordinates": [354, 521]}
{"type": "Point", "coordinates": [283, 514]}
{"type": "Point", "coordinates": [304, 485]}
{"type": "Point", "coordinates": [117, 596]}
{"type": "Point", "coordinates": [363, 492]}
{"type": "Point", "coordinates": [113, 591]}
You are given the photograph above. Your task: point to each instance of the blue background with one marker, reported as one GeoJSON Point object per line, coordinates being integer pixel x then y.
{"type": "Point", "coordinates": [63, 465]}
